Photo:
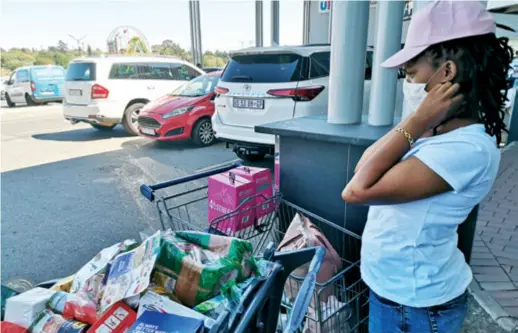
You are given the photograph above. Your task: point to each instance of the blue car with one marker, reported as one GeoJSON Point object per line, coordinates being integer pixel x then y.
{"type": "Point", "coordinates": [35, 85]}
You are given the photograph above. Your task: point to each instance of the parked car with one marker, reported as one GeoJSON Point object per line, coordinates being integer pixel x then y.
{"type": "Point", "coordinates": [212, 69]}
{"type": "Point", "coordinates": [35, 85]}
{"type": "Point", "coordinates": [184, 114]}
{"type": "Point", "coordinates": [110, 90]}
{"type": "Point", "coordinates": [3, 86]}
{"type": "Point", "coordinates": [264, 85]}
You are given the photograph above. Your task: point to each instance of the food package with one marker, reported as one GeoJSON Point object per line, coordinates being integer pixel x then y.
{"type": "Point", "coordinates": [262, 180]}
{"type": "Point", "coordinates": [6, 293]}
{"type": "Point", "coordinates": [118, 319]}
{"type": "Point", "coordinates": [7, 327]}
{"type": "Point", "coordinates": [226, 193]}
{"type": "Point", "coordinates": [303, 234]}
{"type": "Point", "coordinates": [154, 302]}
{"type": "Point", "coordinates": [129, 273]}
{"type": "Point", "coordinates": [156, 322]}
{"type": "Point", "coordinates": [64, 284]}
{"type": "Point", "coordinates": [334, 318]}
{"type": "Point", "coordinates": [72, 306]}
{"type": "Point", "coordinates": [49, 322]}
{"type": "Point", "coordinates": [98, 264]}
{"type": "Point", "coordinates": [23, 309]}
{"type": "Point", "coordinates": [195, 265]}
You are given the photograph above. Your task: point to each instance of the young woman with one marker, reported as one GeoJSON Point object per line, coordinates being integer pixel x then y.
{"type": "Point", "coordinates": [424, 177]}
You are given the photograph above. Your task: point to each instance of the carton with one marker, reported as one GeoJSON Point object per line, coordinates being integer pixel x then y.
{"type": "Point", "coordinates": [23, 309]}
{"type": "Point", "coordinates": [118, 319]}
{"type": "Point", "coordinates": [226, 192]}
{"type": "Point", "coordinates": [262, 180]}
{"type": "Point", "coordinates": [156, 322]}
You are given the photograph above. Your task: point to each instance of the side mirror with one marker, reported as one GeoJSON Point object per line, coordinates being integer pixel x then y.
{"type": "Point", "coordinates": [213, 97]}
{"type": "Point", "coordinates": [9, 82]}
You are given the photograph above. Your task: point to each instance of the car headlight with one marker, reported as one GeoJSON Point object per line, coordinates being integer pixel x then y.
{"type": "Point", "coordinates": [177, 112]}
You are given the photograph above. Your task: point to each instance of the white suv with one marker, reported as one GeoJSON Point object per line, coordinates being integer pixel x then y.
{"type": "Point", "coordinates": [106, 91]}
{"type": "Point", "coordinates": [264, 85]}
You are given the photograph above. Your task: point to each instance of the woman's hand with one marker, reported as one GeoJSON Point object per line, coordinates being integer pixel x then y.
{"type": "Point", "coordinates": [441, 103]}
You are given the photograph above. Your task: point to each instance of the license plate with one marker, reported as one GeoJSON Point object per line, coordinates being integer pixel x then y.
{"type": "Point", "coordinates": [247, 103]}
{"type": "Point", "coordinates": [75, 92]}
{"type": "Point", "coordinates": [148, 131]}
{"type": "Point", "coordinates": [47, 93]}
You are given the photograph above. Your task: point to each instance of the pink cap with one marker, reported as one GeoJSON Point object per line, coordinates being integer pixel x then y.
{"type": "Point", "coordinates": [440, 21]}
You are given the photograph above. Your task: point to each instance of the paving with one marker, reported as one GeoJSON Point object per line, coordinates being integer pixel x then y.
{"type": "Point", "coordinates": [495, 252]}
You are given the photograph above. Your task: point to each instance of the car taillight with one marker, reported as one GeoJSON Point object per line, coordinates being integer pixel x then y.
{"type": "Point", "coordinates": [298, 94]}
{"type": "Point", "coordinates": [220, 90]}
{"type": "Point", "coordinates": [99, 92]}
{"type": "Point", "coordinates": [33, 86]}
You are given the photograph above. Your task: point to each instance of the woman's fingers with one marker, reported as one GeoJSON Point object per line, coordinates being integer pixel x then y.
{"type": "Point", "coordinates": [452, 90]}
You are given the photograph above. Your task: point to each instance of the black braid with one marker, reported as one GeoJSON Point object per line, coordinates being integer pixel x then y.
{"type": "Point", "coordinates": [482, 62]}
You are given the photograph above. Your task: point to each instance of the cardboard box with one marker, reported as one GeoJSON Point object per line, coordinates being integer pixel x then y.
{"type": "Point", "coordinates": [154, 322]}
{"type": "Point", "coordinates": [262, 180]}
{"type": "Point", "coordinates": [226, 192]}
{"type": "Point", "coordinates": [23, 309]}
{"type": "Point", "coordinates": [118, 319]}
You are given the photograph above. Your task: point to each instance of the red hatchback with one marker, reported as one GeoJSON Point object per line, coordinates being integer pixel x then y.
{"type": "Point", "coordinates": [184, 114]}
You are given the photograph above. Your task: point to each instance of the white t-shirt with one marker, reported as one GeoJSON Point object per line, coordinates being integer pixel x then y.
{"type": "Point", "coordinates": [409, 251]}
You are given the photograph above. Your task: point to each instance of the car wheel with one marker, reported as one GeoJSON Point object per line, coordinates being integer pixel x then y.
{"type": "Point", "coordinates": [131, 117]}
{"type": "Point", "coordinates": [103, 127]}
{"type": "Point", "coordinates": [251, 157]}
{"type": "Point", "coordinates": [29, 100]}
{"type": "Point", "coordinates": [202, 133]}
{"type": "Point", "coordinates": [9, 102]}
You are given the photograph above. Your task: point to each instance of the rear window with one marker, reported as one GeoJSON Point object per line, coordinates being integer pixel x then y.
{"type": "Point", "coordinates": [263, 68]}
{"type": "Point", "coordinates": [152, 71]}
{"type": "Point", "coordinates": [80, 71]}
{"type": "Point", "coordinates": [48, 72]}
{"type": "Point", "coordinates": [319, 65]}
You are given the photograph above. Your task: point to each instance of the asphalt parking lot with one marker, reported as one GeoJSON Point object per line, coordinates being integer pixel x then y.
{"type": "Point", "coordinates": [69, 190]}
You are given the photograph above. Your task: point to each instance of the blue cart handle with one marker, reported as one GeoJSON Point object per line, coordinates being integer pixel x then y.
{"type": "Point", "coordinates": [148, 190]}
{"type": "Point", "coordinates": [301, 304]}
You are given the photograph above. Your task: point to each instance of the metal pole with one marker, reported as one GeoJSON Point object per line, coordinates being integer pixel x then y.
{"type": "Point", "coordinates": [330, 24]}
{"type": "Point", "coordinates": [305, 21]}
{"type": "Point", "coordinates": [348, 51]}
{"type": "Point", "coordinates": [259, 23]}
{"type": "Point", "coordinates": [275, 22]}
{"type": "Point", "coordinates": [192, 24]}
{"type": "Point", "coordinates": [198, 32]}
{"type": "Point", "coordinates": [384, 80]}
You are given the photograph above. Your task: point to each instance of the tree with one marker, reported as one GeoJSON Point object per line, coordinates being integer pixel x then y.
{"type": "Point", "coordinates": [89, 50]}
{"type": "Point", "coordinates": [44, 59]}
{"type": "Point", "coordinates": [62, 46]}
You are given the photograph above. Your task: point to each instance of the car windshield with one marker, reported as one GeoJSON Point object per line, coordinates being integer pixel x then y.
{"type": "Point", "coordinates": [200, 86]}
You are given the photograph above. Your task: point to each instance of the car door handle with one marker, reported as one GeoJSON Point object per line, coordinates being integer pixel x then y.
{"type": "Point", "coordinates": [151, 87]}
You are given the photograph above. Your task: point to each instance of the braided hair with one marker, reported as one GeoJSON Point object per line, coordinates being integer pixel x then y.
{"type": "Point", "coordinates": [482, 63]}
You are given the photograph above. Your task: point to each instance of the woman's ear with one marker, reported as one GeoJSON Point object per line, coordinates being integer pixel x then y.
{"type": "Point", "coordinates": [450, 71]}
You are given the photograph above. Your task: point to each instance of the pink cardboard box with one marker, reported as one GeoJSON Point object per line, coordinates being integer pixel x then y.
{"type": "Point", "coordinates": [262, 180]}
{"type": "Point", "coordinates": [226, 192]}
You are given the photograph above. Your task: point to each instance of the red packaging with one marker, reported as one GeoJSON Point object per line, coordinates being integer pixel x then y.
{"type": "Point", "coordinates": [118, 319]}
{"type": "Point", "coordinates": [7, 327]}
{"type": "Point", "coordinates": [72, 306]}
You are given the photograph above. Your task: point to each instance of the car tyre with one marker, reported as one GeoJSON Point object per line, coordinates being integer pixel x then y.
{"type": "Point", "coordinates": [202, 133]}
{"type": "Point", "coordinates": [29, 100]}
{"type": "Point", "coordinates": [129, 122]}
{"type": "Point", "coordinates": [251, 157]}
{"type": "Point", "coordinates": [9, 102]}
{"type": "Point", "coordinates": [103, 127]}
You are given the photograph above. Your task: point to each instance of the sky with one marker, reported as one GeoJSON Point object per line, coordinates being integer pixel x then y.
{"type": "Point", "coordinates": [225, 25]}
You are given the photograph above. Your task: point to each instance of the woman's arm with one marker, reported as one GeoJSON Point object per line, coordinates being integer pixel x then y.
{"type": "Point", "coordinates": [382, 178]}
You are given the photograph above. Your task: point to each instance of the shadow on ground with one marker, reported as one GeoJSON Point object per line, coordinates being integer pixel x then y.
{"type": "Point", "coordinates": [83, 134]}
{"type": "Point", "coordinates": [478, 320]}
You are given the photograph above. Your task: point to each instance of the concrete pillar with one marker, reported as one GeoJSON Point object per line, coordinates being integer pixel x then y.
{"type": "Point", "coordinates": [306, 15]}
{"type": "Point", "coordinates": [194, 11]}
{"type": "Point", "coordinates": [330, 25]}
{"type": "Point", "coordinates": [418, 4]}
{"type": "Point", "coordinates": [275, 22]}
{"type": "Point", "coordinates": [259, 23]}
{"type": "Point", "coordinates": [348, 51]}
{"type": "Point", "coordinates": [384, 80]}
{"type": "Point", "coordinates": [191, 25]}
{"type": "Point", "coordinates": [198, 32]}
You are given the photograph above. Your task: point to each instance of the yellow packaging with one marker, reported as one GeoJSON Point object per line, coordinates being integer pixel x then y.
{"type": "Point", "coordinates": [63, 284]}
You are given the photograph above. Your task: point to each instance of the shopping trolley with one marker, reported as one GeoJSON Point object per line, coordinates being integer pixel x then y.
{"type": "Point", "coordinates": [337, 305]}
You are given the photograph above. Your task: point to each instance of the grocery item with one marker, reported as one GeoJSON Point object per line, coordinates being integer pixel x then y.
{"type": "Point", "coordinates": [64, 284]}
{"type": "Point", "coordinates": [118, 319]}
{"type": "Point", "coordinates": [49, 322]}
{"type": "Point", "coordinates": [154, 302]}
{"type": "Point", "coordinates": [334, 318]}
{"type": "Point", "coordinates": [72, 306]}
{"type": "Point", "coordinates": [156, 322]}
{"type": "Point", "coordinates": [6, 293]}
{"type": "Point", "coordinates": [98, 264]}
{"type": "Point", "coordinates": [7, 327]}
{"type": "Point", "coordinates": [303, 234]}
{"type": "Point", "coordinates": [23, 309]}
{"type": "Point", "coordinates": [262, 180]}
{"type": "Point", "coordinates": [194, 265]}
{"type": "Point", "coordinates": [226, 193]}
{"type": "Point", "coordinates": [129, 273]}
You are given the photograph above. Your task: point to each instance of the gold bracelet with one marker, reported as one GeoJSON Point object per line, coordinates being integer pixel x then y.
{"type": "Point", "coordinates": [407, 135]}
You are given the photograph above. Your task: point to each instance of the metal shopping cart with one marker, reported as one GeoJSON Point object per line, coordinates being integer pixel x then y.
{"type": "Point", "coordinates": [337, 305]}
